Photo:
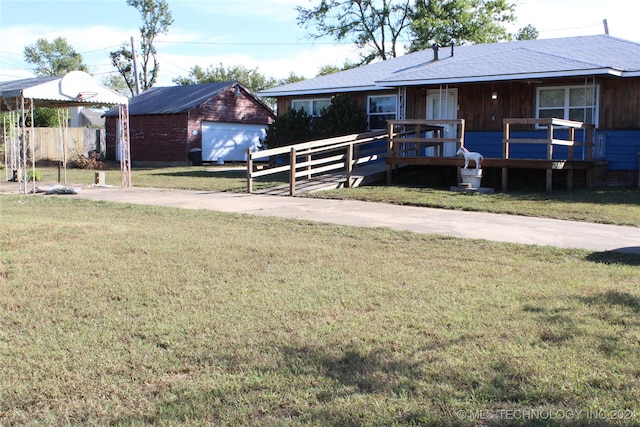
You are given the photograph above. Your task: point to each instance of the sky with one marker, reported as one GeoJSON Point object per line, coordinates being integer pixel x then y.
{"type": "Point", "coordinates": [262, 34]}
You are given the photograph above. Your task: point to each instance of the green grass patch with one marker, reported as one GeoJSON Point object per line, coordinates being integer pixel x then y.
{"type": "Point", "coordinates": [619, 206]}
{"type": "Point", "coordinates": [136, 315]}
{"type": "Point", "coordinates": [205, 178]}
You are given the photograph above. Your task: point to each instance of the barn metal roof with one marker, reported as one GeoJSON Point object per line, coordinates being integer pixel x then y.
{"type": "Point", "coordinates": [76, 88]}
{"type": "Point", "coordinates": [174, 99]}
{"type": "Point", "coordinates": [528, 59]}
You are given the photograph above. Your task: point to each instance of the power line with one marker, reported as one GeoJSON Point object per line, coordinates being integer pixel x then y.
{"type": "Point", "coordinates": [256, 43]}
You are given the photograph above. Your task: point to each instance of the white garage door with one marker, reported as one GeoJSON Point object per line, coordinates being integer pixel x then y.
{"type": "Point", "coordinates": [230, 141]}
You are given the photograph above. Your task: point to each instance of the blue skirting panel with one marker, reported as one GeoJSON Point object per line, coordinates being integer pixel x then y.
{"type": "Point", "coordinates": [619, 147]}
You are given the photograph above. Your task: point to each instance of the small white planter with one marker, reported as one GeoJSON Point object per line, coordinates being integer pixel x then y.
{"type": "Point", "coordinates": [471, 177]}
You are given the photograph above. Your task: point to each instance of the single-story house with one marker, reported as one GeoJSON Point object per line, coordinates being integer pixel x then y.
{"type": "Point", "coordinates": [592, 79]}
{"type": "Point", "coordinates": [168, 125]}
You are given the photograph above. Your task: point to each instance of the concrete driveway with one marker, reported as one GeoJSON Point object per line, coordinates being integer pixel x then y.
{"type": "Point", "coordinates": [475, 225]}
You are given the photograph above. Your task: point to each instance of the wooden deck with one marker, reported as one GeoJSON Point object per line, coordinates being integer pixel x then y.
{"type": "Point", "coordinates": [408, 138]}
{"type": "Point", "coordinates": [504, 164]}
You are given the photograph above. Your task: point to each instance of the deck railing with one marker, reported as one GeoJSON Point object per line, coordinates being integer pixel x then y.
{"type": "Point", "coordinates": [313, 158]}
{"type": "Point", "coordinates": [409, 137]}
{"type": "Point", "coordinates": [551, 139]}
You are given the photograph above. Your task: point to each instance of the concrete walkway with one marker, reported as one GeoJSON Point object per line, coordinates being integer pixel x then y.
{"type": "Point", "coordinates": [476, 225]}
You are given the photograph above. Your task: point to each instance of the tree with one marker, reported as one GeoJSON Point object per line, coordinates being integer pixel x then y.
{"type": "Point", "coordinates": [55, 58]}
{"type": "Point", "coordinates": [528, 32]}
{"type": "Point", "coordinates": [117, 83]}
{"type": "Point", "coordinates": [291, 78]}
{"type": "Point", "coordinates": [459, 22]}
{"type": "Point", "coordinates": [377, 25]}
{"type": "Point", "coordinates": [381, 25]}
{"type": "Point", "coordinates": [330, 69]}
{"type": "Point", "coordinates": [252, 79]}
{"type": "Point", "coordinates": [156, 18]}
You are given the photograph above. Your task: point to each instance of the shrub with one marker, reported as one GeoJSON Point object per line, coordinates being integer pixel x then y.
{"type": "Point", "coordinates": [342, 117]}
{"type": "Point", "coordinates": [33, 174]}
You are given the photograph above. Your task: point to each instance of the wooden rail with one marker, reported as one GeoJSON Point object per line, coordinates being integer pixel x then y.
{"type": "Point", "coordinates": [407, 138]}
{"type": "Point", "coordinates": [318, 157]}
{"type": "Point", "coordinates": [552, 124]}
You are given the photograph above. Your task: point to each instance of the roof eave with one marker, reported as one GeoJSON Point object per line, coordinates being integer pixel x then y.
{"type": "Point", "coordinates": [303, 92]}
{"type": "Point", "coordinates": [635, 73]}
{"type": "Point", "coordinates": [506, 77]}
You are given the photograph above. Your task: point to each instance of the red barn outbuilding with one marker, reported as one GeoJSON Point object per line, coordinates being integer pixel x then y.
{"type": "Point", "coordinates": [178, 125]}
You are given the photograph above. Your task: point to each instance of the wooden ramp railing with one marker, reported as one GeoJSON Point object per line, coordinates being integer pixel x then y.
{"type": "Point", "coordinates": [314, 158]}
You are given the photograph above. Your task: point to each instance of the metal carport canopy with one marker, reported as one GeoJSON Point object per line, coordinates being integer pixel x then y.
{"type": "Point", "coordinates": [76, 88]}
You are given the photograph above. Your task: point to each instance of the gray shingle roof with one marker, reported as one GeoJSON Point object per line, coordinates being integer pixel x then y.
{"type": "Point", "coordinates": [562, 57]}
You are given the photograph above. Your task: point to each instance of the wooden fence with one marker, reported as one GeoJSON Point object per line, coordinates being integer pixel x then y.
{"type": "Point", "coordinates": [49, 143]}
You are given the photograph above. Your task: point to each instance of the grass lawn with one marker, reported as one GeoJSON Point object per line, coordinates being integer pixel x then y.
{"type": "Point", "coordinates": [114, 314]}
{"type": "Point", "coordinates": [205, 178]}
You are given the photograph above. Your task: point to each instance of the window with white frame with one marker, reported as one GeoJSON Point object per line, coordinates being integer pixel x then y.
{"type": "Point", "coordinates": [381, 108]}
{"type": "Point", "coordinates": [579, 103]}
{"type": "Point", "coordinates": [313, 107]}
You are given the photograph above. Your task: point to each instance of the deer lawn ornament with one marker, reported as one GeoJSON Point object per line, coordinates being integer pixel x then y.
{"type": "Point", "coordinates": [470, 155]}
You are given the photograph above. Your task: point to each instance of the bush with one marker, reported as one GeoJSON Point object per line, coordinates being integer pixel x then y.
{"type": "Point", "coordinates": [33, 175]}
{"type": "Point", "coordinates": [342, 117]}
{"type": "Point", "coordinates": [292, 127]}
{"type": "Point", "coordinates": [93, 162]}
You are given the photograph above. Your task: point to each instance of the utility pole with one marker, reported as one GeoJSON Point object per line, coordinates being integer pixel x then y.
{"type": "Point", "coordinates": [135, 67]}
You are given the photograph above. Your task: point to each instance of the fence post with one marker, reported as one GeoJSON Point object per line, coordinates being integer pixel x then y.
{"type": "Point", "coordinates": [572, 138]}
{"type": "Point", "coordinates": [505, 154]}
{"type": "Point", "coordinates": [549, 142]}
{"type": "Point", "coordinates": [349, 164]}
{"type": "Point", "coordinates": [249, 171]}
{"type": "Point", "coordinates": [292, 172]}
{"type": "Point", "coordinates": [389, 152]}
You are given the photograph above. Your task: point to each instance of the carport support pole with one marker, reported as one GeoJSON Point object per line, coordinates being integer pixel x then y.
{"type": "Point", "coordinates": [32, 147]}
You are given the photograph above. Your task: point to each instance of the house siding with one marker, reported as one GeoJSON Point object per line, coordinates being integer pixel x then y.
{"type": "Point", "coordinates": [619, 115]}
{"type": "Point", "coordinates": [620, 104]}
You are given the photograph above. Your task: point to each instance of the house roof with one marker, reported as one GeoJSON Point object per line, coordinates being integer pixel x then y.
{"type": "Point", "coordinates": [179, 99]}
{"type": "Point", "coordinates": [73, 89]}
{"type": "Point", "coordinates": [92, 116]}
{"type": "Point", "coordinates": [527, 59]}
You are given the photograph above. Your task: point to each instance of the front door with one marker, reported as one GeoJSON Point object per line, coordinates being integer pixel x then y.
{"type": "Point", "coordinates": [443, 105]}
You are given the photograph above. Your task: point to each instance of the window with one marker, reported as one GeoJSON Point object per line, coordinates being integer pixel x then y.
{"type": "Point", "coordinates": [577, 103]}
{"type": "Point", "coordinates": [313, 107]}
{"type": "Point", "coordinates": [380, 109]}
